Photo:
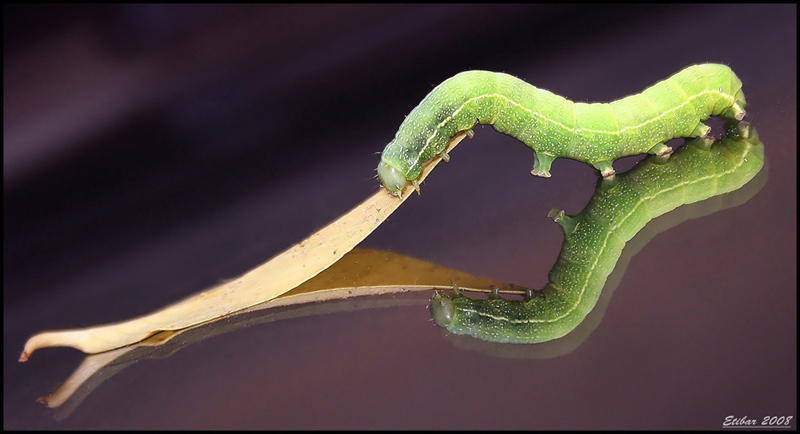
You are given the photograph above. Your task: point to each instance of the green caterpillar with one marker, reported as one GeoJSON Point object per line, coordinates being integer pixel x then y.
{"type": "Point", "coordinates": [555, 127]}
{"type": "Point", "coordinates": [594, 238]}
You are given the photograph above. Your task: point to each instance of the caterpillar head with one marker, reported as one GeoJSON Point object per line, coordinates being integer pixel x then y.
{"type": "Point", "coordinates": [442, 309]}
{"type": "Point", "coordinates": [391, 178]}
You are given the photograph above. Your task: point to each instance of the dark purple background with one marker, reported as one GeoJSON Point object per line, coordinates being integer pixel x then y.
{"type": "Point", "coordinates": [152, 151]}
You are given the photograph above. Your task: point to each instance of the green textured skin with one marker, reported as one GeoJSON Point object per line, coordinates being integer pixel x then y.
{"type": "Point", "coordinates": [594, 238]}
{"type": "Point", "coordinates": [555, 127]}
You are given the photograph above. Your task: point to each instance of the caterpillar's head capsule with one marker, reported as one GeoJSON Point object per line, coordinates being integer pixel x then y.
{"type": "Point", "coordinates": [391, 178]}
{"type": "Point", "coordinates": [442, 309]}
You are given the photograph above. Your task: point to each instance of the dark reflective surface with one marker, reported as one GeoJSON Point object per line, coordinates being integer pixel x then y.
{"type": "Point", "coordinates": [150, 153]}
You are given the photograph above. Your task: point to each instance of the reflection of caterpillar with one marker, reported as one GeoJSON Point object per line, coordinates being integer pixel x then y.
{"type": "Point", "coordinates": [593, 239]}
{"type": "Point", "coordinates": [555, 127]}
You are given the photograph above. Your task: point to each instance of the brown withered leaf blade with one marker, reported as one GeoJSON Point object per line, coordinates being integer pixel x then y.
{"type": "Point", "coordinates": [267, 281]}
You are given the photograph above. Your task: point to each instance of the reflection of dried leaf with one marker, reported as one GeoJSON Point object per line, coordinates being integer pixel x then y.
{"type": "Point", "coordinates": [372, 272]}
{"type": "Point", "coordinates": [271, 279]}
{"type": "Point", "coordinates": [342, 288]}
{"type": "Point", "coordinates": [77, 382]}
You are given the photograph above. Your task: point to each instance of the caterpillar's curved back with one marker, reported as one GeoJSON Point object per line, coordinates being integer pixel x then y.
{"type": "Point", "coordinates": [555, 127]}
{"type": "Point", "coordinates": [594, 238]}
